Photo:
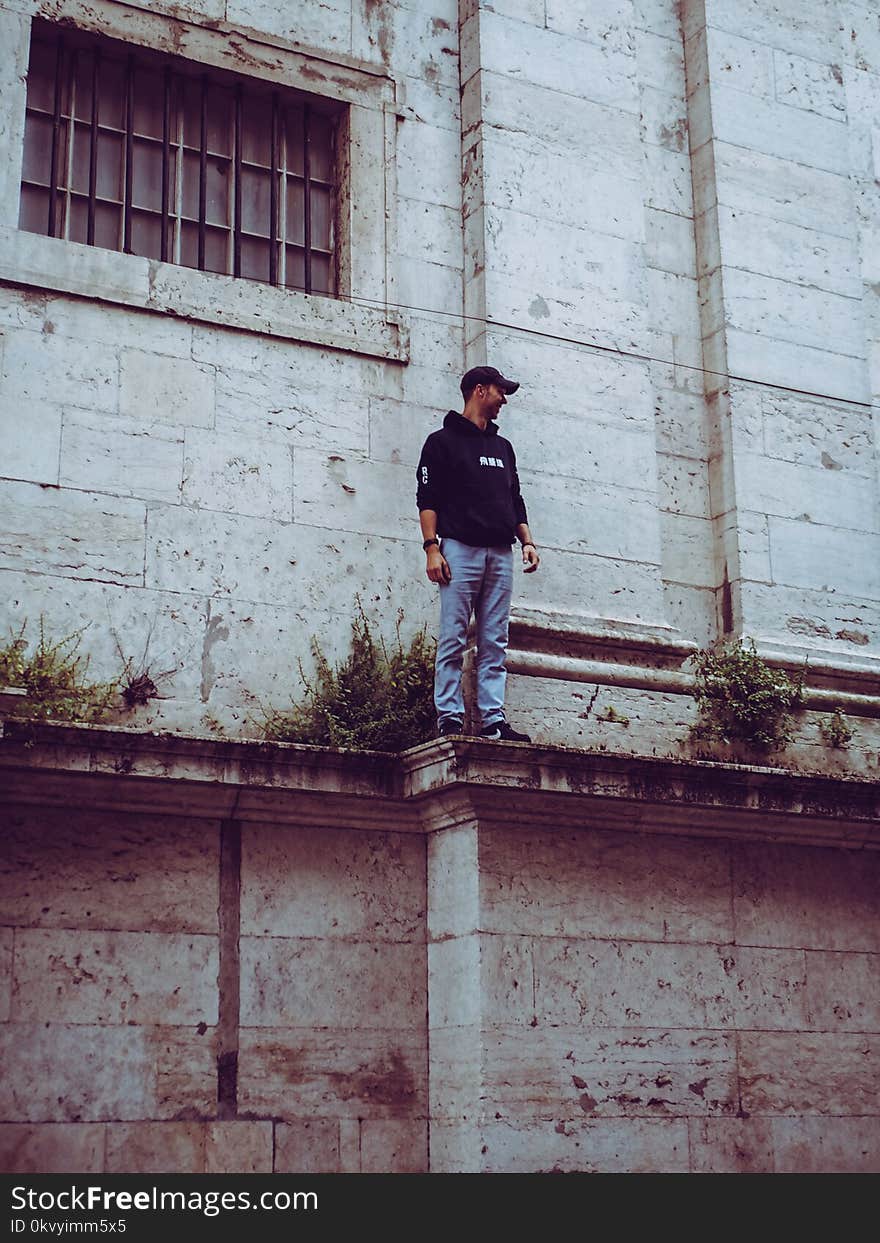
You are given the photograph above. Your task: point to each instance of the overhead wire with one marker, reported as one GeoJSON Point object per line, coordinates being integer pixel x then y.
{"type": "Point", "coordinates": [566, 342]}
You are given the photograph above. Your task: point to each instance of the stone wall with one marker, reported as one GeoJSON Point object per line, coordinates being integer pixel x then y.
{"type": "Point", "coordinates": [527, 961]}
{"type": "Point", "coordinates": [179, 995]}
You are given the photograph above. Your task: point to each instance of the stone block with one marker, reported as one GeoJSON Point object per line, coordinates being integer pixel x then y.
{"type": "Point", "coordinates": [30, 446]}
{"type": "Point", "coordinates": [681, 426]}
{"type": "Point", "coordinates": [812, 257]}
{"type": "Point", "coordinates": [166, 389]}
{"type": "Point", "coordinates": [114, 977]}
{"type": "Point", "coordinates": [430, 232]}
{"type": "Point", "coordinates": [6, 936]}
{"type": "Point", "coordinates": [329, 983]}
{"type": "Point", "coordinates": [354, 1072]}
{"type": "Point", "coordinates": [326, 26]}
{"type": "Point", "coordinates": [745, 544]}
{"type": "Point", "coordinates": [399, 429]}
{"type": "Point", "coordinates": [349, 1146]}
{"type": "Point", "coordinates": [455, 1076]}
{"type": "Point", "coordinates": [152, 629]}
{"type": "Point", "coordinates": [826, 1145]}
{"type": "Point", "coordinates": [14, 30]}
{"type": "Point", "coordinates": [590, 585]}
{"type": "Point", "coordinates": [238, 1147]}
{"type": "Point", "coordinates": [860, 35]}
{"type": "Point", "coordinates": [237, 474]}
{"type": "Point", "coordinates": [453, 882]}
{"type": "Point", "coordinates": [589, 884]}
{"type": "Point", "coordinates": [683, 485]}
{"type": "Point", "coordinates": [255, 560]}
{"type": "Point", "coordinates": [688, 550]}
{"type": "Point", "coordinates": [122, 327]}
{"type": "Point", "coordinates": [843, 991]}
{"type": "Point", "coordinates": [184, 1063]}
{"type": "Point", "coordinates": [665, 120]}
{"type": "Point", "coordinates": [691, 610]}
{"type": "Point", "coordinates": [742, 63]}
{"type": "Point", "coordinates": [394, 1146]}
{"type": "Point", "coordinates": [591, 452]}
{"type": "Point", "coordinates": [784, 189]}
{"type": "Point", "coordinates": [806, 84]}
{"type": "Point", "coordinates": [541, 180]}
{"type": "Point", "coordinates": [585, 517]}
{"type": "Point", "coordinates": [74, 534]}
{"type": "Point", "coordinates": [731, 1145]}
{"type": "Point", "coordinates": [822, 618]}
{"type": "Point", "coordinates": [426, 286]}
{"type": "Point", "coordinates": [455, 996]}
{"type": "Point", "coordinates": [434, 103]}
{"type": "Point", "coordinates": [804, 1073]}
{"type": "Point", "coordinates": [774, 129]}
{"type": "Point", "coordinates": [606, 23]}
{"type": "Point", "coordinates": [307, 1146]}
{"type": "Point", "coordinates": [673, 302]}
{"type": "Point", "coordinates": [507, 980]}
{"type": "Point", "coordinates": [569, 1072]}
{"type": "Point", "coordinates": [354, 495]}
{"type": "Point", "coordinates": [790, 312]}
{"type": "Point", "coordinates": [52, 1148]}
{"type": "Point", "coordinates": [818, 433]}
{"type": "Point", "coordinates": [524, 116]}
{"type": "Point", "coordinates": [666, 180]}
{"type": "Point", "coordinates": [815, 495]}
{"type": "Point", "coordinates": [669, 242]}
{"type": "Point", "coordinates": [818, 899]}
{"type": "Point", "coordinates": [558, 61]}
{"type": "Point", "coordinates": [120, 456]}
{"type": "Point", "coordinates": [612, 1146]}
{"type": "Point", "coordinates": [606, 983]}
{"type": "Point", "coordinates": [824, 558]}
{"type": "Point", "coordinates": [338, 883]}
{"type": "Point", "coordinates": [86, 869]}
{"type": "Point", "coordinates": [47, 368]}
{"type": "Point", "coordinates": [767, 987]}
{"type": "Point", "coordinates": [429, 164]}
{"type": "Point", "coordinates": [156, 1148]}
{"type": "Point", "coordinates": [811, 29]}
{"type": "Point", "coordinates": [76, 1073]}
{"type": "Point", "coordinates": [660, 61]}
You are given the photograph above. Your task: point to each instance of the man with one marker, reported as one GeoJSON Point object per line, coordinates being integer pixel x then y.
{"type": "Point", "coordinates": [468, 495]}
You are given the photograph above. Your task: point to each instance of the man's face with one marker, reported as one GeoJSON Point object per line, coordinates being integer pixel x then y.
{"type": "Point", "coordinates": [493, 400]}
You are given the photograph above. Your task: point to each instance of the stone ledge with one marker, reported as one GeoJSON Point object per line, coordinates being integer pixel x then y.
{"type": "Point", "coordinates": [434, 786]}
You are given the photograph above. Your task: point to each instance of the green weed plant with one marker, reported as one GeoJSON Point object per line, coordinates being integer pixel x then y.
{"type": "Point", "coordinates": [743, 699]}
{"type": "Point", "coordinates": [54, 677]}
{"type": "Point", "coordinates": [376, 699]}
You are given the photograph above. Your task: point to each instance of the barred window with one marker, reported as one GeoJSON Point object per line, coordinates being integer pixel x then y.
{"type": "Point", "coordinates": [149, 154]}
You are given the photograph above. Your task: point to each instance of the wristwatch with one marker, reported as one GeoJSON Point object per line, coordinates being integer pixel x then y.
{"type": "Point", "coordinates": [428, 542]}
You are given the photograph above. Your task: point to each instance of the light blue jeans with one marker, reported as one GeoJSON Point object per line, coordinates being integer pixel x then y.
{"type": "Point", "coordinates": [482, 584]}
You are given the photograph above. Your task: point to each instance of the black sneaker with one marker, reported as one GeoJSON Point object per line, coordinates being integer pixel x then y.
{"type": "Point", "coordinates": [449, 726]}
{"type": "Point", "coordinates": [502, 732]}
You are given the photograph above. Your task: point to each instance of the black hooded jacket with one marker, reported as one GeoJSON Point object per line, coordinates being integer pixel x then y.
{"type": "Point", "coordinates": [469, 477]}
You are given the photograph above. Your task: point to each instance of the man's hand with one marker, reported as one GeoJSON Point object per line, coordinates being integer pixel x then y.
{"type": "Point", "coordinates": [531, 560]}
{"type": "Point", "coordinates": [438, 570]}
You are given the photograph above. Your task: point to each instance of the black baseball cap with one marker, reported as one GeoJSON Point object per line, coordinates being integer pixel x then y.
{"type": "Point", "coordinates": [487, 375]}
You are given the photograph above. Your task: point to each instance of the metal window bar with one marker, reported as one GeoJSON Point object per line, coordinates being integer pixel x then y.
{"type": "Point", "coordinates": [56, 136]}
{"type": "Point", "coordinates": [93, 151]}
{"type": "Point", "coordinates": [166, 162]}
{"type": "Point", "coordinates": [203, 173]}
{"type": "Point", "coordinates": [274, 186]}
{"type": "Point", "coordinates": [68, 52]}
{"type": "Point", "coordinates": [236, 177]}
{"type": "Point", "coordinates": [129, 160]}
{"type": "Point", "coordinates": [307, 198]}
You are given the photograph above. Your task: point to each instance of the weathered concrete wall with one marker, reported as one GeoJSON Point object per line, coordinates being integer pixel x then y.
{"type": "Point", "coordinates": [519, 962]}
{"type": "Point", "coordinates": [642, 1004]}
{"type": "Point", "coordinates": [139, 1033]}
{"type": "Point", "coordinates": [616, 195]}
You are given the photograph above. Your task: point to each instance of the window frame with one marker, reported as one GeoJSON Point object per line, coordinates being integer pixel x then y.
{"type": "Point", "coordinates": [360, 316]}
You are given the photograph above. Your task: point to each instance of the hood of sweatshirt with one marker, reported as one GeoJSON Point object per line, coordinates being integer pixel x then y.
{"type": "Point", "coordinates": [455, 422]}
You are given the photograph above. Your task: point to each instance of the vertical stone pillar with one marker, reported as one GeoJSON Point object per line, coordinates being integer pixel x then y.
{"type": "Point", "coordinates": [776, 112]}
{"type": "Point", "coordinates": [556, 290]}
{"type": "Point", "coordinates": [14, 28]}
